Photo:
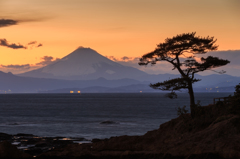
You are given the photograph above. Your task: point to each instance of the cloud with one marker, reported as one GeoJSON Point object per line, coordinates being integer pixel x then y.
{"type": "Point", "coordinates": [159, 68]}
{"type": "Point", "coordinates": [7, 22]}
{"type": "Point", "coordinates": [10, 22]}
{"type": "Point", "coordinates": [4, 42]}
{"type": "Point", "coordinates": [162, 67]}
{"type": "Point", "coordinates": [125, 58]}
{"type": "Point", "coordinates": [39, 45]}
{"type": "Point", "coordinates": [17, 16]}
{"type": "Point", "coordinates": [47, 60]}
{"type": "Point", "coordinates": [16, 67]}
{"type": "Point", "coordinates": [111, 58]}
{"type": "Point", "coordinates": [32, 42]}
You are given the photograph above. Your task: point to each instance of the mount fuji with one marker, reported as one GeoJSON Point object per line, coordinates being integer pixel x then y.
{"type": "Point", "coordinates": [85, 64]}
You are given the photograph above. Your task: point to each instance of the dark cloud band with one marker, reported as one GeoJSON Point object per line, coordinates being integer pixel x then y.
{"type": "Point", "coordinates": [46, 60]}
{"type": "Point", "coordinates": [17, 67]}
{"type": "Point", "coordinates": [4, 42]}
{"type": "Point", "coordinates": [32, 42]}
{"type": "Point", "coordinates": [39, 45]}
{"type": "Point", "coordinates": [7, 22]}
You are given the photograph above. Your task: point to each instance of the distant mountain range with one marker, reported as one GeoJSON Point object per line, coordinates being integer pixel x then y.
{"type": "Point", "coordinates": [10, 83]}
{"type": "Point", "coordinates": [87, 71]}
{"type": "Point", "coordinates": [134, 88]}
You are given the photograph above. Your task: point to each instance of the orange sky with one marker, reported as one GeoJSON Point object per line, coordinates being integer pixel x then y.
{"type": "Point", "coordinates": [112, 27]}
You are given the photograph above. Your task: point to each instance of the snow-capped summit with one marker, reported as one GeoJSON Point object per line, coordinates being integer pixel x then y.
{"type": "Point", "coordinates": [85, 63]}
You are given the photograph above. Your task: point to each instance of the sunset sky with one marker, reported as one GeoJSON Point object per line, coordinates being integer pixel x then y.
{"type": "Point", "coordinates": [115, 28]}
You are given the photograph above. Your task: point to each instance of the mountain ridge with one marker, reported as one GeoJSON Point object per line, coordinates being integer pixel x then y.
{"type": "Point", "coordinates": [10, 83]}
{"type": "Point", "coordinates": [18, 84]}
{"type": "Point", "coordinates": [85, 64]}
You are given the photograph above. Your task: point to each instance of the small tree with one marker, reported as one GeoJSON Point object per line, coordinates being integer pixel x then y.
{"type": "Point", "coordinates": [235, 99]}
{"type": "Point", "coordinates": [174, 50]}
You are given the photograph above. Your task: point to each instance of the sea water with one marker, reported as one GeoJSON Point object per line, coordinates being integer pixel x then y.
{"type": "Point", "coordinates": [91, 115]}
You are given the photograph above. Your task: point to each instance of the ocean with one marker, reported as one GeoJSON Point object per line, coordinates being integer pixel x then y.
{"type": "Point", "coordinates": [91, 115]}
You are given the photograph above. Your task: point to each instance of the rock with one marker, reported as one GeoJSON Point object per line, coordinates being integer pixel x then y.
{"type": "Point", "coordinates": [42, 145]}
{"type": "Point", "coordinates": [109, 122]}
{"type": "Point", "coordinates": [30, 141]}
{"type": "Point", "coordinates": [96, 140]}
{"type": "Point", "coordinates": [4, 136]}
{"type": "Point", "coordinates": [21, 134]}
{"type": "Point", "coordinates": [34, 151]}
{"type": "Point", "coordinates": [7, 150]}
{"type": "Point", "coordinates": [13, 124]}
{"type": "Point", "coordinates": [213, 134]}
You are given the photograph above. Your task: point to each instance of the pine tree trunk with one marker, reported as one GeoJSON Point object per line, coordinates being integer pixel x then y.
{"type": "Point", "coordinates": [192, 100]}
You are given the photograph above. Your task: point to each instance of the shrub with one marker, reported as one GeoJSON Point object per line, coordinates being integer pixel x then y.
{"type": "Point", "coordinates": [181, 111]}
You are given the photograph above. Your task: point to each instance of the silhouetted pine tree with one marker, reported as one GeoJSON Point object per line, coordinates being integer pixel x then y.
{"type": "Point", "coordinates": [184, 46]}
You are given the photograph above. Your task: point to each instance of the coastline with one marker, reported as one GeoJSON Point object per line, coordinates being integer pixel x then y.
{"type": "Point", "coordinates": [35, 145]}
{"type": "Point", "coordinates": [213, 134]}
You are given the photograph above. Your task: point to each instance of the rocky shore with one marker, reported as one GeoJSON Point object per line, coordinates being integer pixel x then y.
{"type": "Point", "coordinates": [214, 133]}
{"type": "Point", "coordinates": [33, 146]}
